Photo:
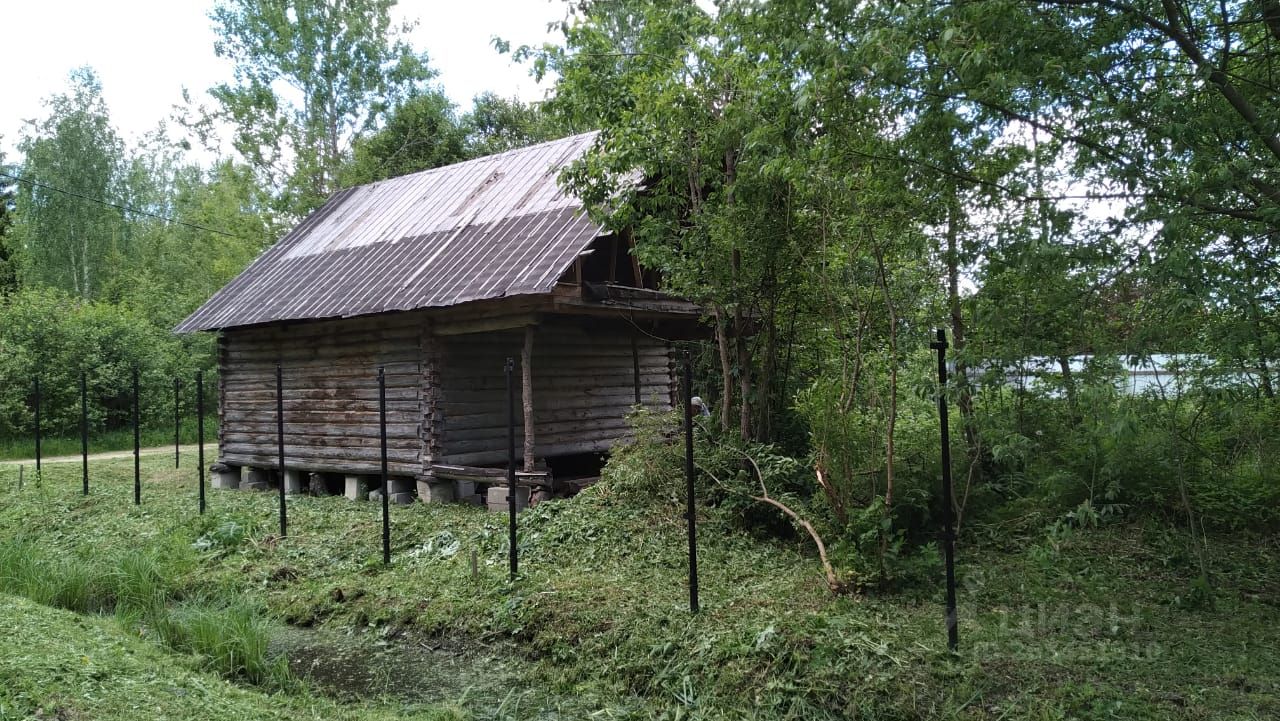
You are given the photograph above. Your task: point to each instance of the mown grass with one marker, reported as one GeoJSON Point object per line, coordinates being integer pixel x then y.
{"type": "Point", "coordinates": [56, 664]}
{"type": "Point", "coordinates": [119, 439]}
{"type": "Point", "coordinates": [1090, 624]}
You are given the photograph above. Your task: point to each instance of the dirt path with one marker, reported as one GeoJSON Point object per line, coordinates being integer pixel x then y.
{"type": "Point", "coordinates": [186, 452]}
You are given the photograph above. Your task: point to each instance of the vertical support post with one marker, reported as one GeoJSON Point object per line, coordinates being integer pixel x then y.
{"type": "Point", "coordinates": [284, 521]}
{"type": "Point", "coordinates": [84, 434]}
{"type": "Point", "coordinates": [688, 476]}
{"type": "Point", "coordinates": [137, 443]}
{"type": "Point", "coordinates": [635, 365]}
{"type": "Point", "coordinates": [177, 423]}
{"type": "Point", "coordinates": [386, 483]}
{"type": "Point", "coordinates": [37, 395]}
{"type": "Point", "coordinates": [200, 432]}
{"type": "Point", "coordinates": [511, 466]}
{"type": "Point", "coordinates": [526, 397]}
{"type": "Point", "coordinates": [948, 512]}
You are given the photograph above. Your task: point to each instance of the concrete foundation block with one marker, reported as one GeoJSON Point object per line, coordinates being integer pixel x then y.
{"type": "Point", "coordinates": [293, 481]}
{"type": "Point", "coordinates": [225, 476]}
{"type": "Point", "coordinates": [257, 479]}
{"type": "Point", "coordinates": [496, 498]}
{"type": "Point", "coordinates": [463, 489]}
{"type": "Point", "coordinates": [357, 487]}
{"type": "Point", "coordinates": [435, 491]}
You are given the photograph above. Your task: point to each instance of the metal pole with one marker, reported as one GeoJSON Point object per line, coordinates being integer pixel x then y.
{"type": "Point", "coordinates": [37, 390]}
{"type": "Point", "coordinates": [386, 483]}
{"type": "Point", "coordinates": [511, 466]}
{"type": "Point", "coordinates": [84, 434]}
{"type": "Point", "coordinates": [284, 521]}
{"type": "Point", "coordinates": [177, 424]}
{"type": "Point", "coordinates": [200, 432]}
{"type": "Point", "coordinates": [948, 512]}
{"type": "Point", "coordinates": [137, 444]}
{"type": "Point", "coordinates": [688, 475]}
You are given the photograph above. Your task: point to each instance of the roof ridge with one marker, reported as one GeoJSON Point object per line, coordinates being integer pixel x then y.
{"type": "Point", "coordinates": [470, 161]}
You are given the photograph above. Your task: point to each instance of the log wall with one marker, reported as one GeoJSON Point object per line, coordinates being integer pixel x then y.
{"type": "Point", "coordinates": [330, 394]}
{"type": "Point", "coordinates": [583, 387]}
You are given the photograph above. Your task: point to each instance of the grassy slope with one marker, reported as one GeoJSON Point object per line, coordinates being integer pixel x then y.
{"type": "Point", "coordinates": [60, 665]}
{"type": "Point", "coordinates": [1091, 625]}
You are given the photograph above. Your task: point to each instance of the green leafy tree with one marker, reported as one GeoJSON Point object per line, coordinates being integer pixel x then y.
{"type": "Point", "coordinates": [311, 77]}
{"type": "Point", "coordinates": [496, 124]}
{"type": "Point", "coordinates": [421, 132]}
{"type": "Point", "coordinates": [71, 160]}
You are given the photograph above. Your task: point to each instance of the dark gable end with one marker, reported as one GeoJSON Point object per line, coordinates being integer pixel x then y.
{"type": "Point", "coordinates": [486, 228]}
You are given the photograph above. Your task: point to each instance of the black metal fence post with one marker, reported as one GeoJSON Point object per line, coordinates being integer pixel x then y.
{"type": "Point", "coordinates": [137, 443]}
{"type": "Point", "coordinates": [84, 433]}
{"type": "Point", "coordinates": [200, 432]}
{"type": "Point", "coordinates": [177, 423]}
{"type": "Point", "coordinates": [511, 467]}
{"type": "Point", "coordinates": [688, 475]}
{"type": "Point", "coordinates": [386, 482]}
{"type": "Point", "coordinates": [948, 534]}
{"type": "Point", "coordinates": [284, 521]}
{"type": "Point", "coordinates": [37, 395]}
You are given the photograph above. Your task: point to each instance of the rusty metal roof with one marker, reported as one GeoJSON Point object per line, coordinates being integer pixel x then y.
{"type": "Point", "coordinates": [485, 228]}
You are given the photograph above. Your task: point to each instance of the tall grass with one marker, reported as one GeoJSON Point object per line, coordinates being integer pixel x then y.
{"type": "Point", "coordinates": [142, 588]}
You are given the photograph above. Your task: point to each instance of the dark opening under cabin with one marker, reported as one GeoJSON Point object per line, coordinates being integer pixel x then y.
{"type": "Point", "coordinates": [438, 277]}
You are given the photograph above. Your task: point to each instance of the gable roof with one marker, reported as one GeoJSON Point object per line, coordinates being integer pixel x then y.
{"type": "Point", "coordinates": [485, 228]}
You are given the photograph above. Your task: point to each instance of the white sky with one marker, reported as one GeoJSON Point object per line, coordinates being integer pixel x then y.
{"type": "Point", "coordinates": [145, 51]}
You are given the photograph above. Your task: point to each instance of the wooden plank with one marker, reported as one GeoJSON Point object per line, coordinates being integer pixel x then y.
{"type": "Point", "coordinates": [466, 473]}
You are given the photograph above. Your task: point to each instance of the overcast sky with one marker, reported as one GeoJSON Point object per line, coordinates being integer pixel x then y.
{"type": "Point", "coordinates": [145, 51]}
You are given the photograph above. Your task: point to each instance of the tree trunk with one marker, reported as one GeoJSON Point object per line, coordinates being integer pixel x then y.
{"type": "Point", "coordinates": [964, 392]}
{"type": "Point", "coordinates": [726, 369]}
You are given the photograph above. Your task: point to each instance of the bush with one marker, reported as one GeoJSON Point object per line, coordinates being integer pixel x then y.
{"type": "Point", "coordinates": [48, 333]}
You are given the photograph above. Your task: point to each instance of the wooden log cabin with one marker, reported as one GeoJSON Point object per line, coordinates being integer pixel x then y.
{"type": "Point", "coordinates": [438, 278]}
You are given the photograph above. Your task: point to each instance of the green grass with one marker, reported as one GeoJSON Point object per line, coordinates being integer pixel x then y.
{"type": "Point", "coordinates": [120, 439]}
{"type": "Point", "coordinates": [1087, 624]}
{"type": "Point", "coordinates": [56, 664]}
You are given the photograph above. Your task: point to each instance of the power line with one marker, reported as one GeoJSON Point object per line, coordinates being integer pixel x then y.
{"type": "Point", "coordinates": [118, 206]}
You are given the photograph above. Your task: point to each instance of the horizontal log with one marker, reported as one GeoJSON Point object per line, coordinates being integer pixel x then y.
{"type": "Point", "coordinates": [564, 379]}
{"type": "Point", "coordinates": [324, 333]}
{"type": "Point", "coordinates": [362, 430]}
{"type": "Point", "coordinates": [450, 434]}
{"type": "Point", "coordinates": [326, 368]}
{"type": "Point", "coordinates": [449, 447]}
{"type": "Point", "coordinates": [588, 414]}
{"type": "Point", "coordinates": [550, 400]}
{"type": "Point", "coordinates": [320, 465]}
{"type": "Point", "coordinates": [234, 381]}
{"type": "Point", "coordinates": [449, 409]}
{"type": "Point", "coordinates": [370, 394]}
{"type": "Point", "coordinates": [365, 355]}
{"type": "Point", "coordinates": [346, 405]}
{"type": "Point", "coordinates": [301, 453]}
{"type": "Point", "coordinates": [566, 449]}
{"type": "Point", "coordinates": [318, 441]}
{"type": "Point", "coordinates": [265, 415]}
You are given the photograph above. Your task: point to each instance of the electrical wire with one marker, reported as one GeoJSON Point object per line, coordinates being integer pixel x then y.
{"type": "Point", "coordinates": [119, 206]}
